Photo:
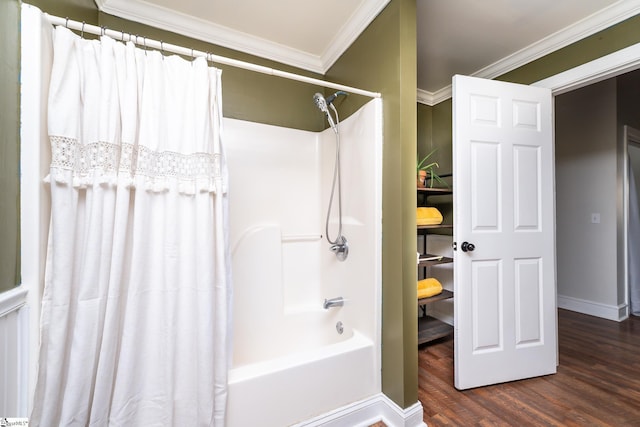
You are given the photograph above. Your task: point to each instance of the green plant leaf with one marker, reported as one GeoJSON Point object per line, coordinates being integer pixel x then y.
{"type": "Point", "coordinates": [422, 165]}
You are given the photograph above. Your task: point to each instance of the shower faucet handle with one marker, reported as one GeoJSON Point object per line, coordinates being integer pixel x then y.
{"type": "Point", "coordinates": [340, 248]}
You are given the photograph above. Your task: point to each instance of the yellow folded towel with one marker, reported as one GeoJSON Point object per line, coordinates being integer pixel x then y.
{"type": "Point", "coordinates": [428, 216]}
{"type": "Point", "coordinates": [428, 287]}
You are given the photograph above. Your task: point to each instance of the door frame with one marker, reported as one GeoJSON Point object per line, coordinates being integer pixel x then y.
{"type": "Point", "coordinates": [631, 137]}
{"type": "Point", "coordinates": [603, 68]}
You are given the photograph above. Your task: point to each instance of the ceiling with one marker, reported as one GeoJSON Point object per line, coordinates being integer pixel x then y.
{"type": "Point", "coordinates": [485, 38]}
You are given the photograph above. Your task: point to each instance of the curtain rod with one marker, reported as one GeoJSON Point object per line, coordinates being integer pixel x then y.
{"type": "Point", "coordinates": [167, 47]}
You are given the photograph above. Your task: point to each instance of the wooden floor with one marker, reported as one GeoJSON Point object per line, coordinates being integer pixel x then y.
{"type": "Point", "coordinates": [597, 384]}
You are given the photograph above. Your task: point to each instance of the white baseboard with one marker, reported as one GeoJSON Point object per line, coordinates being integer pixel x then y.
{"type": "Point", "coordinates": [369, 411]}
{"type": "Point", "coordinates": [605, 311]}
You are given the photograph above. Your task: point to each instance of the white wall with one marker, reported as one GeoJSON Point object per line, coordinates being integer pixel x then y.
{"type": "Point", "coordinates": [586, 183]}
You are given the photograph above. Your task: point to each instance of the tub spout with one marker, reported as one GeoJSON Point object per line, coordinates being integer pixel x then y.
{"type": "Point", "coordinates": [333, 302]}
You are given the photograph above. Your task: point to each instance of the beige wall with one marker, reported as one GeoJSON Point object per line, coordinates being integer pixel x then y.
{"type": "Point", "coordinates": [9, 144]}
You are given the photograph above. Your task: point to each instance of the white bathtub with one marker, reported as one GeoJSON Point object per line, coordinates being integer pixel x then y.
{"type": "Point", "coordinates": [290, 363]}
{"type": "Point", "coordinates": [292, 388]}
{"type": "Point", "coordinates": [292, 358]}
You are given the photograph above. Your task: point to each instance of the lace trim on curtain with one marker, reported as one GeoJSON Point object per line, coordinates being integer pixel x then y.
{"type": "Point", "coordinates": [107, 163]}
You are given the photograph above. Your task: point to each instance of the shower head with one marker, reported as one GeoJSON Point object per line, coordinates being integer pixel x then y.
{"type": "Point", "coordinates": [321, 102]}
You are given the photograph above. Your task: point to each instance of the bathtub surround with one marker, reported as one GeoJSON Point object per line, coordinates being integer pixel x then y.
{"type": "Point", "coordinates": [134, 326]}
{"type": "Point", "coordinates": [284, 338]}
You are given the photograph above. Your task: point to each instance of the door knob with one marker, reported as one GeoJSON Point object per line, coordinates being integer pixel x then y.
{"type": "Point", "coordinates": [467, 247]}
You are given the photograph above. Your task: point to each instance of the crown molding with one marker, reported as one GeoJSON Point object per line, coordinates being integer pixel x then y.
{"type": "Point", "coordinates": [194, 27]}
{"type": "Point", "coordinates": [358, 22]}
{"type": "Point", "coordinates": [424, 97]}
{"type": "Point", "coordinates": [605, 67]}
{"type": "Point", "coordinates": [433, 98]}
{"type": "Point", "coordinates": [588, 26]}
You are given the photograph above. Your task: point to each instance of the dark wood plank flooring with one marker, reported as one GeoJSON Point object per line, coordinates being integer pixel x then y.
{"type": "Point", "coordinates": [597, 384]}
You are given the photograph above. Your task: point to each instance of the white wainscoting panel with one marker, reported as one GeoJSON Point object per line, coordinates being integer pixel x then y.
{"type": "Point", "coordinates": [14, 335]}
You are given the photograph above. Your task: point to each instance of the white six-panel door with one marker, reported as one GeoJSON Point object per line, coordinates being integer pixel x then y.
{"type": "Point", "coordinates": [504, 286]}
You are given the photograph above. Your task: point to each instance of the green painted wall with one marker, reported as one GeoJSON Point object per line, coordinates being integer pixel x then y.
{"type": "Point", "coordinates": [9, 144]}
{"type": "Point", "coordinates": [383, 59]}
{"type": "Point", "coordinates": [79, 10]}
{"type": "Point", "coordinates": [434, 133]}
{"type": "Point", "coordinates": [442, 137]}
{"type": "Point", "coordinates": [425, 129]}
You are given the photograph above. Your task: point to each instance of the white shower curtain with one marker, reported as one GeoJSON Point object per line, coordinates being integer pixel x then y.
{"type": "Point", "coordinates": [135, 316]}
